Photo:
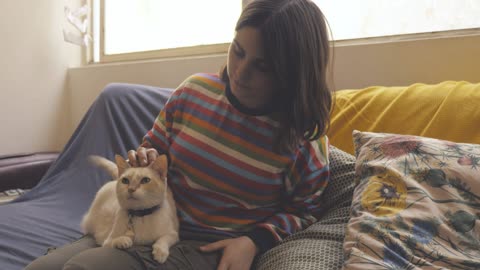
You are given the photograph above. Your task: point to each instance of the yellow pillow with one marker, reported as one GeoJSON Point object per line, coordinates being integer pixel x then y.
{"type": "Point", "coordinates": [449, 110]}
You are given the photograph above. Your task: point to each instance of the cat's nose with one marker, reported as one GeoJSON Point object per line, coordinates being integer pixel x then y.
{"type": "Point", "coordinates": [131, 190]}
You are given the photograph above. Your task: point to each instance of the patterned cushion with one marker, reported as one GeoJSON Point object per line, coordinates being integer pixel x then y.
{"type": "Point", "coordinates": [417, 204]}
{"type": "Point", "coordinates": [320, 245]}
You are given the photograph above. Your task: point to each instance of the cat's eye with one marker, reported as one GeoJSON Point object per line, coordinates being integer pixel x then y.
{"type": "Point", "coordinates": [145, 180]}
{"type": "Point", "coordinates": [125, 181]}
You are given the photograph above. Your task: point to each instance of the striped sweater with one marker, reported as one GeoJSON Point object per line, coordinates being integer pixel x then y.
{"type": "Point", "coordinates": [223, 173]}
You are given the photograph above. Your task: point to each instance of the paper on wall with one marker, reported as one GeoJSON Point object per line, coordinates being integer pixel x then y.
{"type": "Point", "coordinates": [79, 19]}
{"type": "Point", "coordinates": [75, 38]}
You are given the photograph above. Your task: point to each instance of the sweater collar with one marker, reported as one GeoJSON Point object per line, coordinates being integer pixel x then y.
{"type": "Point", "coordinates": [266, 110]}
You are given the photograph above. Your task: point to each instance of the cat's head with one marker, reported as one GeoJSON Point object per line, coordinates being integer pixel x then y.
{"type": "Point", "coordinates": [141, 187]}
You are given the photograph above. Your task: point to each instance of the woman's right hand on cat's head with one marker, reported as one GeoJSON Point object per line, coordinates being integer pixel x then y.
{"type": "Point", "coordinates": [142, 157]}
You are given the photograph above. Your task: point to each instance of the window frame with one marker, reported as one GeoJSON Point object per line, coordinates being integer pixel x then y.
{"type": "Point", "coordinates": [198, 50]}
{"type": "Point", "coordinates": [222, 48]}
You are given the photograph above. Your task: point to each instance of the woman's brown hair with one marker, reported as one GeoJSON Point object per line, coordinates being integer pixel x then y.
{"type": "Point", "coordinates": [296, 46]}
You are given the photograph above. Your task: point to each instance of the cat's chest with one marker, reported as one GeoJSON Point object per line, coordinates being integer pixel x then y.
{"type": "Point", "coordinates": [148, 229]}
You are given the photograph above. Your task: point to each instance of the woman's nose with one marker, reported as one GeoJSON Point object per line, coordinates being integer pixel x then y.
{"type": "Point", "coordinates": [243, 71]}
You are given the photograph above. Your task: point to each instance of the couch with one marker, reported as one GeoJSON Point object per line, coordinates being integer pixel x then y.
{"type": "Point", "coordinates": [22, 171]}
{"type": "Point", "coordinates": [356, 230]}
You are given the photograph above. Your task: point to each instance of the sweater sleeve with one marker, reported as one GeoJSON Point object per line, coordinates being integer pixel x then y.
{"type": "Point", "coordinates": [305, 183]}
{"type": "Point", "coordinates": [159, 136]}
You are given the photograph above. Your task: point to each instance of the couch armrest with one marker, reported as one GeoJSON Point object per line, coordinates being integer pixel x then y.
{"type": "Point", "coordinates": [24, 170]}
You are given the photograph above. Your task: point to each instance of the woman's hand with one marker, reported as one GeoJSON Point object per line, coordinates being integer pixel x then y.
{"type": "Point", "coordinates": [238, 253]}
{"type": "Point", "coordinates": [142, 157]}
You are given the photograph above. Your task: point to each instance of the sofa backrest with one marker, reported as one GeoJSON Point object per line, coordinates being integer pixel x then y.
{"type": "Point", "coordinates": [449, 110]}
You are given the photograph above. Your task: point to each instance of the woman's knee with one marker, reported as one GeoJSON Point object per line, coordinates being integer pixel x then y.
{"type": "Point", "coordinates": [45, 263]}
{"type": "Point", "coordinates": [116, 92]}
{"type": "Point", "coordinates": [56, 258]}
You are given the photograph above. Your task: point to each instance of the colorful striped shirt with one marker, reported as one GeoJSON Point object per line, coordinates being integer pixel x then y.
{"type": "Point", "coordinates": [225, 176]}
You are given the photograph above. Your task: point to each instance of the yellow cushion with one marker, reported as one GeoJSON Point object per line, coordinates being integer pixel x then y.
{"type": "Point", "coordinates": [449, 110]}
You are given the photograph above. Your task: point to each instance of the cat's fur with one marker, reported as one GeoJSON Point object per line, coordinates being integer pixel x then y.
{"type": "Point", "coordinates": [108, 218]}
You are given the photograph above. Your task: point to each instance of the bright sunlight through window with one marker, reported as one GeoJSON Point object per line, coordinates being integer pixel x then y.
{"type": "Point", "coordinates": [351, 19]}
{"type": "Point", "coordinates": [145, 25]}
{"type": "Point", "coordinates": [148, 25]}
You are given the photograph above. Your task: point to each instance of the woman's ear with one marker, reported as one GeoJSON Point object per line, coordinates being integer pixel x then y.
{"type": "Point", "coordinates": [122, 164]}
{"type": "Point", "coordinates": [160, 165]}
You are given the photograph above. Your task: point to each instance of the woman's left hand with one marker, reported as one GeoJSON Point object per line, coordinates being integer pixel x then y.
{"type": "Point", "coordinates": [238, 253]}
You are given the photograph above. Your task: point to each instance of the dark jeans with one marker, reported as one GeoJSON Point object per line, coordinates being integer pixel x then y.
{"type": "Point", "coordinates": [85, 254]}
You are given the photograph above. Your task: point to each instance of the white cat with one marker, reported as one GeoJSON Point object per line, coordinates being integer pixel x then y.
{"type": "Point", "coordinates": [136, 208]}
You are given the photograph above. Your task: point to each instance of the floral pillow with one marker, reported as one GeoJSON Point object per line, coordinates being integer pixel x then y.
{"type": "Point", "coordinates": [416, 205]}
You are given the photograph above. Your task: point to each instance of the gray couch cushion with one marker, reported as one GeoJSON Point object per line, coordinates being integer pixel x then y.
{"type": "Point", "coordinates": [319, 246]}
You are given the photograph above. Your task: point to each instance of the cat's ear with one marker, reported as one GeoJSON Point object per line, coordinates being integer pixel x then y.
{"type": "Point", "coordinates": [160, 165]}
{"type": "Point", "coordinates": [122, 164]}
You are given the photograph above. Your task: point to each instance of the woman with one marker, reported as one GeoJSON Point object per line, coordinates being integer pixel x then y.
{"type": "Point", "coordinates": [247, 147]}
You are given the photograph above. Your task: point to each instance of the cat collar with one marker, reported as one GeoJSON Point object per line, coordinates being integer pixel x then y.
{"type": "Point", "coordinates": [142, 212]}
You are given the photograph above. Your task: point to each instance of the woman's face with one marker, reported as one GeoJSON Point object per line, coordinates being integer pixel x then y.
{"type": "Point", "coordinates": [251, 79]}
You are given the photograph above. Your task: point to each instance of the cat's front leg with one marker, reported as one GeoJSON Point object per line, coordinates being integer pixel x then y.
{"type": "Point", "coordinates": [161, 247]}
{"type": "Point", "coordinates": [122, 242]}
{"type": "Point", "coordinates": [119, 236]}
{"type": "Point", "coordinates": [107, 242]}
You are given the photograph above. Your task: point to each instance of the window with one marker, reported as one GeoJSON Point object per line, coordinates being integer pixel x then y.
{"type": "Point", "coordinates": [143, 29]}
{"type": "Point", "coordinates": [353, 19]}
{"type": "Point", "coordinates": [192, 27]}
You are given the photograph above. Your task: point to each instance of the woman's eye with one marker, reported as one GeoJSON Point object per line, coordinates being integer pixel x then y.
{"type": "Point", "coordinates": [125, 181]}
{"type": "Point", "coordinates": [238, 53]}
{"type": "Point", "coordinates": [145, 180]}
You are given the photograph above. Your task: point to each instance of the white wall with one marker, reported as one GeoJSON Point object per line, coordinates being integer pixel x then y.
{"type": "Point", "coordinates": [405, 62]}
{"type": "Point", "coordinates": [355, 66]}
{"type": "Point", "coordinates": [34, 113]}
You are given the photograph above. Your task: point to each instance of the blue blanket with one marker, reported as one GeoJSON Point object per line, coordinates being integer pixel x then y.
{"type": "Point", "coordinates": [50, 214]}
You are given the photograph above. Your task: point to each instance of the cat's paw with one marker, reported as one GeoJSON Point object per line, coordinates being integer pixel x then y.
{"type": "Point", "coordinates": [160, 253]}
{"type": "Point", "coordinates": [122, 242]}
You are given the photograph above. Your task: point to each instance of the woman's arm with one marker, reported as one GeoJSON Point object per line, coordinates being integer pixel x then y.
{"type": "Point", "coordinates": [307, 180]}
